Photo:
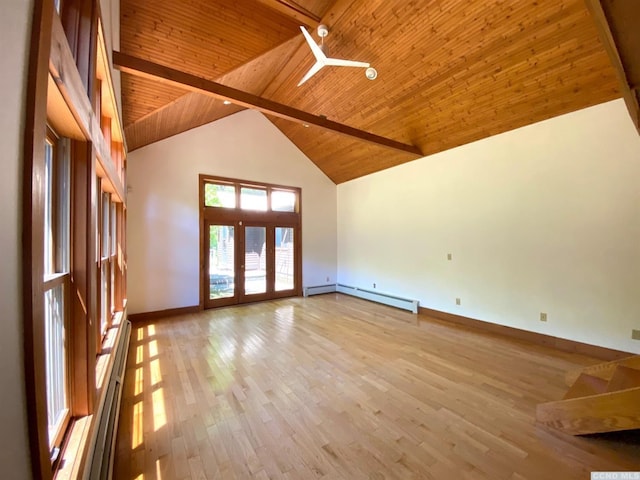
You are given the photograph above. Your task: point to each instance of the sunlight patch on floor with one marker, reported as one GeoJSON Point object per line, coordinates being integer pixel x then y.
{"type": "Point", "coordinates": [138, 426]}
{"type": "Point", "coordinates": [139, 381]}
{"type": "Point", "coordinates": [159, 413]}
{"type": "Point", "coordinates": [153, 348]}
{"type": "Point", "coordinates": [139, 354]}
{"type": "Point", "coordinates": [156, 376]}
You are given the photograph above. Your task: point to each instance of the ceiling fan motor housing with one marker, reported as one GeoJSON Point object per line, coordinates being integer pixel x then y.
{"type": "Point", "coordinates": [323, 31]}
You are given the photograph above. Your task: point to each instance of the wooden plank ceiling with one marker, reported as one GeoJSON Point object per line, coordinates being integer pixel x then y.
{"type": "Point", "coordinates": [449, 72]}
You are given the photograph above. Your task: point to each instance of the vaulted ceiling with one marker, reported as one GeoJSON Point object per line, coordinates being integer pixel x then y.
{"type": "Point", "coordinates": [449, 72]}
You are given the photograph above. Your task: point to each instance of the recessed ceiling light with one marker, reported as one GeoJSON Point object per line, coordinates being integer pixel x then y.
{"type": "Point", "coordinates": [227, 102]}
{"type": "Point", "coordinates": [305, 125]}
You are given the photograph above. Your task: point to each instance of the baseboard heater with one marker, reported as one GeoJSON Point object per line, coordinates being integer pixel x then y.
{"type": "Point", "coordinates": [101, 460]}
{"type": "Point", "coordinates": [319, 289]}
{"type": "Point", "coordinates": [384, 298]}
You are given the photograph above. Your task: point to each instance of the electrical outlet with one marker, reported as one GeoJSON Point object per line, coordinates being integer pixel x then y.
{"type": "Point", "coordinates": [457, 301]}
{"type": "Point", "coordinates": [374, 285]}
{"type": "Point", "coordinates": [448, 256]}
{"type": "Point", "coordinates": [543, 317]}
{"type": "Point", "coordinates": [328, 279]}
{"type": "Point", "coordinates": [635, 334]}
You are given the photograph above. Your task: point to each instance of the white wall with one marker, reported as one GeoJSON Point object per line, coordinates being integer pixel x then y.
{"type": "Point", "coordinates": [163, 215]}
{"type": "Point", "coordinates": [545, 218]}
{"type": "Point", "coordinates": [15, 28]}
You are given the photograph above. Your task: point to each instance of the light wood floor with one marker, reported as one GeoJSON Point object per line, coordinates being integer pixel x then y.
{"type": "Point", "coordinates": [334, 387]}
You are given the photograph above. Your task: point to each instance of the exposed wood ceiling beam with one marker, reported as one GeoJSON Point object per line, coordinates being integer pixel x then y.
{"type": "Point", "coordinates": [297, 13]}
{"type": "Point", "coordinates": [613, 44]}
{"type": "Point", "coordinates": [144, 68]}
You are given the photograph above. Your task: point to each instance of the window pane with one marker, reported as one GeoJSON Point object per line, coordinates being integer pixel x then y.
{"type": "Point", "coordinates": [255, 275]}
{"type": "Point", "coordinates": [105, 314]}
{"type": "Point", "coordinates": [282, 201]}
{"type": "Point", "coordinates": [55, 360]}
{"type": "Point", "coordinates": [113, 229]}
{"type": "Point", "coordinates": [221, 261]}
{"type": "Point", "coordinates": [57, 208]}
{"type": "Point", "coordinates": [253, 199]}
{"type": "Point", "coordinates": [49, 224]}
{"type": "Point", "coordinates": [62, 207]}
{"type": "Point", "coordinates": [112, 287]}
{"type": "Point", "coordinates": [219, 195]}
{"type": "Point", "coordinates": [105, 224]}
{"type": "Point", "coordinates": [284, 258]}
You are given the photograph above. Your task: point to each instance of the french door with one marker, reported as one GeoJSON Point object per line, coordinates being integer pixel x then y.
{"type": "Point", "coordinates": [248, 262]}
{"type": "Point", "coordinates": [250, 241]}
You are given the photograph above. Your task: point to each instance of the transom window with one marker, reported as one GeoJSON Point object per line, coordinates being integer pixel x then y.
{"type": "Point", "coordinates": [283, 201]}
{"type": "Point", "coordinates": [253, 199]}
{"type": "Point", "coordinates": [258, 198]}
{"type": "Point", "coordinates": [219, 195]}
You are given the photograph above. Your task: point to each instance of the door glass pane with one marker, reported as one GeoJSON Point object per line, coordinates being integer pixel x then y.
{"type": "Point", "coordinates": [284, 258]}
{"type": "Point", "coordinates": [219, 195]}
{"type": "Point", "coordinates": [283, 201]}
{"type": "Point", "coordinates": [221, 261]}
{"type": "Point", "coordinates": [253, 199]}
{"type": "Point", "coordinates": [255, 278]}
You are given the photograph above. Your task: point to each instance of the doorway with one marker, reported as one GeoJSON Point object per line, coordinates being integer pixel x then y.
{"type": "Point", "coordinates": [250, 242]}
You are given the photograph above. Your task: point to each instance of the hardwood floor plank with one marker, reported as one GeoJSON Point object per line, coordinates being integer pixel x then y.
{"type": "Point", "coordinates": [333, 387]}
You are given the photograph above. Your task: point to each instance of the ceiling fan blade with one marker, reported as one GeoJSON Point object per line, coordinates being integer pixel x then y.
{"type": "Point", "coordinates": [315, 49]}
{"type": "Point", "coordinates": [312, 71]}
{"type": "Point", "coordinates": [338, 62]}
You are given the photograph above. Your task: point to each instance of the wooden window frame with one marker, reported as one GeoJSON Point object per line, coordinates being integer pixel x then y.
{"type": "Point", "coordinates": [239, 184]}
{"type": "Point", "coordinates": [64, 48]}
{"type": "Point", "coordinates": [59, 274]}
{"type": "Point", "coordinates": [105, 264]}
{"type": "Point", "coordinates": [268, 218]}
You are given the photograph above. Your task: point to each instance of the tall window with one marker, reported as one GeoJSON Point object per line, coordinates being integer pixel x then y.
{"type": "Point", "coordinates": [68, 294]}
{"type": "Point", "coordinates": [56, 285]}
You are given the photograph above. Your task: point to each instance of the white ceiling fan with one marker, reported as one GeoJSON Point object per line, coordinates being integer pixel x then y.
{"type": "Point", "coordinates": [322, 60]}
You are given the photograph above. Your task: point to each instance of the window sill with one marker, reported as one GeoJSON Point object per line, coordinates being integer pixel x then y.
{"type": "Point", "coordinates": [71, 463]}
{"type": "Point", "coordinates": [109, 341]}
